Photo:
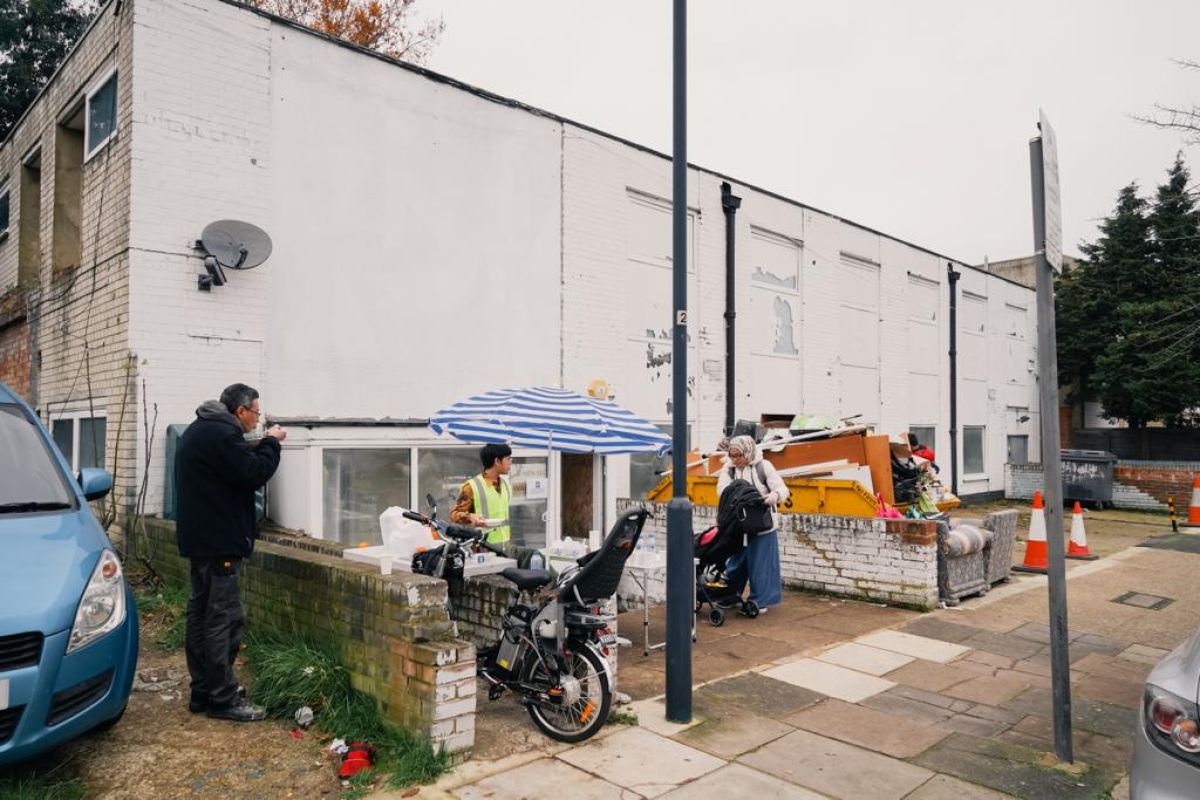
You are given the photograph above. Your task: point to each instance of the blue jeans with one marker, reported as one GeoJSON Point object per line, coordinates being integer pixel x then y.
{"type": "Point", "coordinates": [758, 562]}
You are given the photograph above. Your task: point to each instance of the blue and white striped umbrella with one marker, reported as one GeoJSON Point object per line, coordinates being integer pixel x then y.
{"type": "Point", "coordinates": [545, 418]}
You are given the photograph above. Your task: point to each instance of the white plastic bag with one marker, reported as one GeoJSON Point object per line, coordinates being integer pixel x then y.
{"type": "Point", "coordinates": [402, 536]}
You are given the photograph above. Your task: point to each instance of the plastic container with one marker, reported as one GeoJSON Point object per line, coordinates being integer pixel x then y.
{"type": "Point", "coordinates": [401, 535]}
{"type": "Point", "coordinates": [536, 561]}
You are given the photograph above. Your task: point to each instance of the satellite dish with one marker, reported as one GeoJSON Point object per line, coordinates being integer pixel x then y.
{"type": "Point", "coordinates": [236, 245]}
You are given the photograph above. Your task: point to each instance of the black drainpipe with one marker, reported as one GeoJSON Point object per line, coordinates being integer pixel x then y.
{"type": "Point", "coordinates": [730, 204]}
{"type": "Point", "coordinates": [953, 276]}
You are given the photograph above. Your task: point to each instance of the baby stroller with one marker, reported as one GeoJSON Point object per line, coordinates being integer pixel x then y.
{"type": "Point", "coordinates": [712, 550]}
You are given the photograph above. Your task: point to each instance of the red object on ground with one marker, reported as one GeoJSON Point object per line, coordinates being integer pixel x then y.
{"type": "Point", "coordinates": [360, 756]}
{"type": "Point", "coordinates": [1194, 508]}
{"type": "Point", "coordinates": [297, 734]}
{"type": "Point", "coordinates": [923, 451]}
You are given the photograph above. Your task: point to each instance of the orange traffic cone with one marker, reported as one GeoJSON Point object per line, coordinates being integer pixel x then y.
{"type": "Point", "coordinates": [1035, 546]}
{"type": "Point", "coordinates": [1193, 523]}
{"type": "Point", "coordinates": [1078, 547]}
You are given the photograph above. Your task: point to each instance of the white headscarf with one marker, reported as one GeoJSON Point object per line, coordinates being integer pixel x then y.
{"type": "Point", "coordinates": [747, 446]}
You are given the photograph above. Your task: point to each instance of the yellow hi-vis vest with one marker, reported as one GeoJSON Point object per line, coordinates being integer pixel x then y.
{"type": "Point", "coordinates": [492, 504]}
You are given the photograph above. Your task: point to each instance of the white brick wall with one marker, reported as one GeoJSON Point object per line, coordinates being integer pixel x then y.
{"type": "Point", "coordinates": [1022, 480]}
{"type": "Point", "coordinates": [892, 561]}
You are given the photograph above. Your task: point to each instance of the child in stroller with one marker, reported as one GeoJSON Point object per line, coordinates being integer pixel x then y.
{"type": "Point", "coordinates": [712, 550]}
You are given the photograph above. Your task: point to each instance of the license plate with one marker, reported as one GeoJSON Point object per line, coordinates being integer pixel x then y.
{"type": "Point", "coordinates": [3, 694]}
{"type": "Point", "coordinates": [608, 638]}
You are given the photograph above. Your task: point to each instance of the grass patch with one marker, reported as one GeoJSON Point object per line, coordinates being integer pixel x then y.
{"type": "Point", "coordinates": [290, 672]}
{"type": "Point", "coordinates": [619, 716]}
{"type": "Point", "coordinates": [36, 786]}
{"type": "Point", "coordinates": [163, 616]}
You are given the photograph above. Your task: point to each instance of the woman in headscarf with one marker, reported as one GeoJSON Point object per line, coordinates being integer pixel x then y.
{"type": "Point", "coordinates": [759, 560]}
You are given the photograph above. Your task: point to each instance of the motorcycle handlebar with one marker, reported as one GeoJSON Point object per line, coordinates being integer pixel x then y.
{"type": "Point", "coordinates": [414, 516]}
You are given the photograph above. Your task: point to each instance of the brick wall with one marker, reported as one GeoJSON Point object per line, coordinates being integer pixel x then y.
{"type": "Point", "coordinates": [480, 607]}
{"type": "Point", "coordinates": [1139, 485]}
{"type": "Point", "coordinates": [15, 342]}
{"type": "Point", "coordinates": [888, 561]}
{"type": "Point", "coordinates": [392, 632]}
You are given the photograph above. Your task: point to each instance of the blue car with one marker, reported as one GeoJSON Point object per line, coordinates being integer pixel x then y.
{"type": "Point", "coordinates": [68, 623]}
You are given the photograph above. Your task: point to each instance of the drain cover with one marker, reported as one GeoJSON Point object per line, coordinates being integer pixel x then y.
{"type": "Point", "coordinates": [1151, 602]}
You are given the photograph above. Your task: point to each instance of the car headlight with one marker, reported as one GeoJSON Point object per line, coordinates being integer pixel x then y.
{"type": "Point", "coordinates": [102, 607]}
{"type": "Point", "coordinates": [1172, 723]}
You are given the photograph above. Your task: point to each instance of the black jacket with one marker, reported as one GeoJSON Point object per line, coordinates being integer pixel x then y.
{"type": "Point", "coordinates": [741, 511]}
{"type": "Point", "coordinates": [217, 473]}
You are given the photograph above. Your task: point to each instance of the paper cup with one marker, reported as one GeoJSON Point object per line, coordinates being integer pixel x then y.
{"type": "Point", "coordinates": [385, 565]}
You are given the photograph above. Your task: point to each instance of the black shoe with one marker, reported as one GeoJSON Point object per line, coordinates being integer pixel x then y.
{"type": "Point", "coordinates": [242, 712]}
{"type": "Point", "coordinates": [199, 702]}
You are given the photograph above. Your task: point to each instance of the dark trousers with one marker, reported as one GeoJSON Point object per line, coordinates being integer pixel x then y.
{"type": "Point", "coordinates": [214, 630]}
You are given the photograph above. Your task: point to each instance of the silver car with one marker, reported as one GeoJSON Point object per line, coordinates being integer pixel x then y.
{"type": "Point", "coordinates": [1166, 752]}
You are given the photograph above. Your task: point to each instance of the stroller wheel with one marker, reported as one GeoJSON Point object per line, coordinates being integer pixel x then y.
{"type": "Point", "coordinates": [716, 617]}
{"type": "Point", "coordinates": [750, 609]}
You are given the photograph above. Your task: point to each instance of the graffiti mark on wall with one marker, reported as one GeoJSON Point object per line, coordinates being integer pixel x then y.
{"type": "Point", "coordinates": [768, 278]}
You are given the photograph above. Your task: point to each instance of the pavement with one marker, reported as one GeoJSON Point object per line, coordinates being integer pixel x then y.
{"type": "Point", "coordinates": [823, 698]}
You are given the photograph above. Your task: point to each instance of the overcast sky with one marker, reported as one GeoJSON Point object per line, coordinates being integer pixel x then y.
{"type": "Point", "coordinates": [910, 117]}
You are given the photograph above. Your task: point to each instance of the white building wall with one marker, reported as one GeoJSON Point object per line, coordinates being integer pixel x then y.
{"type": "Point", "coordinates": [431, 244]}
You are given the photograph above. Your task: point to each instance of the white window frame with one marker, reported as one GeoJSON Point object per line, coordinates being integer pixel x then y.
{"type": "Point", "coordinates": [91, 149]}
{"type": "Point", "coordinates": [74, 417]}
{"type": "Point", "coordinates": [982, 448]}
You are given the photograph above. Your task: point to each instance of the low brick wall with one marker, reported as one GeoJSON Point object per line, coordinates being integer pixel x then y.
{"type": "Point", "coordinates": [888, 561]}
{"type": "Point", "coordinates": [1140, 485]}
{"type": "Point", "coordinates": [480, 608]}
{"type": "Point", "coordinates": [392, 632]}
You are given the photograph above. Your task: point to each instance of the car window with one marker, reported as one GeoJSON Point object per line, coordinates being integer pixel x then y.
{"type": "Point", "coordinates": [28, 470]}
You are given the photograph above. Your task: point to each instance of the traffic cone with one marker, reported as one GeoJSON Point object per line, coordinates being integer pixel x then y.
{"type": "Point", "coordinates": [1193, 523]}
{"type": "Point", "coordinates": [1078, 547]}
{"type": "Point", "coordinates": [1035, 545]}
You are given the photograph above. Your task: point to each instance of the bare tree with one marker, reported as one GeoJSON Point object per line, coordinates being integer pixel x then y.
{"type": "Point", "coordinates": [1177, 118]}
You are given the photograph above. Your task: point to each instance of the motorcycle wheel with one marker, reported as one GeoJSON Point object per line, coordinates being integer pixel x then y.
{"type": "Point", "coordinates": [581, 719]}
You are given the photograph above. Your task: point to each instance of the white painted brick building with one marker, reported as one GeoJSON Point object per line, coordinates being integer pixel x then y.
{"type": "Point", "coordinates": [432, 241]}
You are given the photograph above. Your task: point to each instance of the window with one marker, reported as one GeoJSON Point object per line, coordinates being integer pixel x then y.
{"type": "Point", "coordinates": [4, 214]}
{"type": "Point", "coordinates": [1018, 449]}
{"type": "Point", "coordinates": [101, 114]}
{"type": "Point", "coordinates": [81, 440]}
{"type": "Point", "coordinates": [647, 469]}
{"type": "Point", "coordinates": [973, 463]}
{"type": "Point", "coordinates": [357, 486]}
{"type": "Point", "coordinates": [926, 435]}
{"type": "Point", "coordinates": [441, 472]}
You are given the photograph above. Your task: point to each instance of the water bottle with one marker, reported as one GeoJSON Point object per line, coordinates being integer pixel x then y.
{"type": "Point", "coordinates": [650, 544]}
{"type": "Point", "coordinates": [536, 561]}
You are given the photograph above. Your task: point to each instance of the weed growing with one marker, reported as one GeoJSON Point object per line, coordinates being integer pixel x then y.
{"type": "Point", "coordinates": [290, 672]}
{"type": "Point", "coordinates": [40, 786]}
{"type": "Point", "coordinates": [163, 615]}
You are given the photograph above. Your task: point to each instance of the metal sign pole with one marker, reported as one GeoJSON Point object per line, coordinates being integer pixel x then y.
{"type": "Point", "coordinates": [680, 591]}
{"type": "Point", "coordinates": [1060, 666]}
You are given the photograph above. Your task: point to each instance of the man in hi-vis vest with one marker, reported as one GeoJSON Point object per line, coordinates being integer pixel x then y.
{"type": "Point", "coordinates": [485, 497]}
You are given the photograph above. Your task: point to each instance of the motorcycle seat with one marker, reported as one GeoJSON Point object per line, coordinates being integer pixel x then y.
{"type": "Point", "coordinates": [527, 579]}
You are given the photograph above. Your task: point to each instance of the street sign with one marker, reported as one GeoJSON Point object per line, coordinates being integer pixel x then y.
{"type": "Point", "coordinates": [1053, 241]}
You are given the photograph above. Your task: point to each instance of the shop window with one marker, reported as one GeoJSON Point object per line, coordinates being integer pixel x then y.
{"type": "Point", "coordinates": [81, 440]}
{"type": "Point", "coordinates": [646, 469]}
{"type": "Point", "coordinates": [358, 485]}
{"type": "Point", "coordinates": [973, 438]}
{"type": "Point", "coordinates": [1018, 449]}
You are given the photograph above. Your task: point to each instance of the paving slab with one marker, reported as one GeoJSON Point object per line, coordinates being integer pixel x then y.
{"type": "Point", "coordinates": [913, 710]}
{"type": "Point", "coordinates": [1142, 654]}
{"type": "Point", "coordinates": [1115, 667]}
{"type": "Point", "coordinates": [1114, 752]}
{"type": "Point", "coordinates": [733, 735]}
{"type": "Point", "coordinates": [855, 619]}
{"type": "Point", "coordinates": [736, 780]}
{"type": "Point", "coordinates": [1086, 714]}
{"type": "Point", "coordinates": [974, 726]}
{"type": "Point", "coordinates": [1011, 769]}
{"type": "Point", "coordinates": [1099, 644]}
{"type": "Point", "coordinates": [868, 728]}
{"type": "Point", "coordinates": [1004, 644]}
{"type": "Point", "coordinates": [836, 769]}
{"type": "Point", "coordinates": [757, 694]}
{"type": "Point", "coordinates": [645, 762]}
{"type": "Point", "coordinates": [652, 716]}
{"type": "Point", "coordinates": [1033, 631]}
{"type": "Point", "coordinates": [944, 787]}
{"type": "Point", "coordinates": [936, 627]}
{"type": "Point", "coordinates": [539, 779]}
{"type": "Point", "coordinates": [1110, 690]}
{"type": "Point", "coordinates": [995, 714]}
{"type": "Point", "coordinates": [930, 675]}
{"type": "Point", "coordinates": [990, 659]}
{"type": "Point", "coordinates": [830, 679]}
{"type": "Point", "coordinates": [910, 644]}
{"type": "Point", "coordinates": [933, 698]}
{"type": "Point", "coordinates": [992, 691]}
{"type": "Point", "coordinates": [863, 658]}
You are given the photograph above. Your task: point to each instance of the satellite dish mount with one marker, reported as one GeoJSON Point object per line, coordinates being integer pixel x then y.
{"type": "Point", "coordinates": [230, 244]}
